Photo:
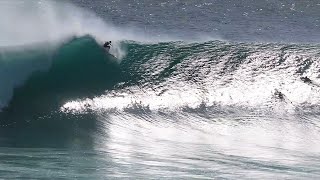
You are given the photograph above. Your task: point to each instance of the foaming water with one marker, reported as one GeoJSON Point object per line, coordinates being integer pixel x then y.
{"type": "Point", "coordinates": [213, 143]}
{"type": "Point", "coordinates": [187, 144]}
{"type": "Point", "coordinates": [212, 110]}
{"type": "Point", "coordinates": [217, 143]}
{"type": "Point", "coordinates": [249, 75]}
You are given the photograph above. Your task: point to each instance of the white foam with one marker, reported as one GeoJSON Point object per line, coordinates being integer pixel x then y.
{"type": "Point", "coordinates": [26, 22]}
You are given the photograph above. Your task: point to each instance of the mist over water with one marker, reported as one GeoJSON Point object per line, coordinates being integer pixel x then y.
{"type": "Point", "coordinates": [190, 89]}
{"type": "Point", "coordinates": [50, 21]}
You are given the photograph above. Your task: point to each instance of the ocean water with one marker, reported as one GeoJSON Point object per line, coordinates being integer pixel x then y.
{"type": "Point", "coordinates": [194, 89]}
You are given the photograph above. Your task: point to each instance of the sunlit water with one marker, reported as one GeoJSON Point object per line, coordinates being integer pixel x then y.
{"type": "Point", "coordinates": [186, 146]}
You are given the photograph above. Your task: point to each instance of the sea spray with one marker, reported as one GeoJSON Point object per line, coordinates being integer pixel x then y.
{"type": "Point", "coordinates": [33, 31]}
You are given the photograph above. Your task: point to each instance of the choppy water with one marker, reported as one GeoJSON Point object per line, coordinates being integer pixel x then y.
{"type": "Point", "coordinates": [198, 89]}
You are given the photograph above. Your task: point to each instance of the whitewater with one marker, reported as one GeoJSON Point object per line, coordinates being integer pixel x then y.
{"type": "Point", "coordinates": [188, 97]}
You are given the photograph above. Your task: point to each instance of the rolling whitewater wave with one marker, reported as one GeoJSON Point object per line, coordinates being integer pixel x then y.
{"type": "Point", "coordinates": [176, 75]}
{"type": "Point", "coordinates": [36, 83]}
{"type": "Point", "coordinates": [78, 68]}
{"type": "Point", "coordinates": [80, 84]}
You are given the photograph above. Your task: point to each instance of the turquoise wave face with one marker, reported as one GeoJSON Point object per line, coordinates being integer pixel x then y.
{"type": "Point", "coordinates": [79, 81]}
{"type": "Point", "coordinates": [78, 69]}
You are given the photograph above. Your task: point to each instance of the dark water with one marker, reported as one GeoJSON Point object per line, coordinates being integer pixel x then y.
{"type": "Point", "coordinates": [235, 20]}
{"type": "Point", "coordinates": [191, 89]}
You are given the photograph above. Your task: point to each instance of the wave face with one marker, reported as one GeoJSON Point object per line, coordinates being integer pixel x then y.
{"type": "Point", "coordinates": [80, 78]}
{"type": "Point", "coordinates": [42, 82]}
{"type": "Point", "coordinates": [175, 74]}
{"type": "Point", "coordinates": [79, 62]}
{"type": "Point", "coordinates": [161, 76]}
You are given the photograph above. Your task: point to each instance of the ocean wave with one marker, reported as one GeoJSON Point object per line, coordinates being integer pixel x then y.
{"type": "Point", "coordinates": [172, 75]}
{"type": "Point", "coordinates": [81, 76]}
{"type": "Point", "coordinates": [78, 68]}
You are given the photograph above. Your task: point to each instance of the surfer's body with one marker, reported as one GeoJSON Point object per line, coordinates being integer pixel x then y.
{"type": "Point", "coordinates": [107, 45]}
{"type": "Point", "coordinates": [306, 80]}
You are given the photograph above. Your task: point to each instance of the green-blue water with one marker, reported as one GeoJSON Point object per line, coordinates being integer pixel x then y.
{"type": "Point", "coordinates": [190, 90]}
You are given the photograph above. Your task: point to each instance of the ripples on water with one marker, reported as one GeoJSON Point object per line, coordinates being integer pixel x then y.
{"type": "Point", "coordinates": [226, 144]}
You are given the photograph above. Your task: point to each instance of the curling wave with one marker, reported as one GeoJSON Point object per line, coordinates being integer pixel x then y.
{"type": "Point", "coordinates": [79, 68]}
{"type": "Point", "coordinates": [175, 75]}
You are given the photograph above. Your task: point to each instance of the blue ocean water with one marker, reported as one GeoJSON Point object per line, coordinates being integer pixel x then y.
{"type": "Point", "coordinates": [205, 89]}
{"type": "Point", "coordinates": [244, 20]}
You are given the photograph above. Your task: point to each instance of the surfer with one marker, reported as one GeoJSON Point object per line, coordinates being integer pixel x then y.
{"type": "Point", "coordinates": [107, 45]}
{"type": "Point", "coordinates": [306, 80]}
{"type": "Point", "coordinates": [279, 95]}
